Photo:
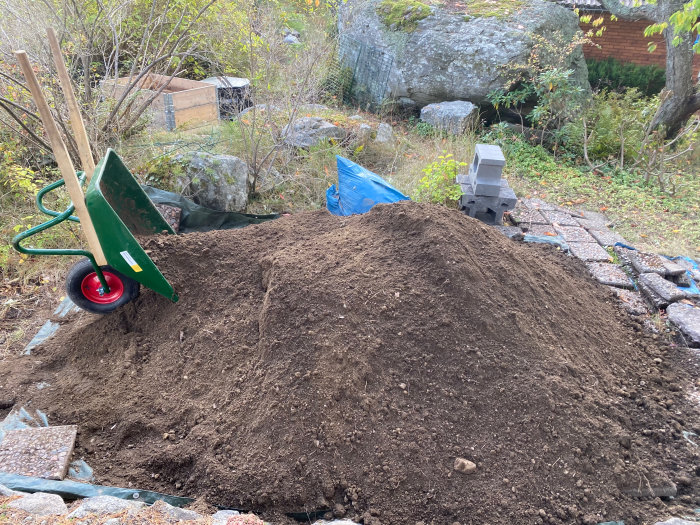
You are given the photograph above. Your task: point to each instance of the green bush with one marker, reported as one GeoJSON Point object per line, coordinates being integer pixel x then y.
{"type": "Point", "coordinates": [612, 74]}
{"type": "Point", "coordinates": [439, 183]}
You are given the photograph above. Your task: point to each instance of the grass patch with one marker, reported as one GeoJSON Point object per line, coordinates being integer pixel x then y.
{"type": "Point", "coordinates": [402, 15]}
{"type": "Point", "coordinates": [648, 218]}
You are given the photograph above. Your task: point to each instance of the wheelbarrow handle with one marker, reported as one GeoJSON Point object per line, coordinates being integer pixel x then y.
{"type": "Point", "coordinates": [42, 192]}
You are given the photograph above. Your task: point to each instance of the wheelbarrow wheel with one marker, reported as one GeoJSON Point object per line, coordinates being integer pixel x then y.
{"type": "Point", "coordinates": [83, 287]}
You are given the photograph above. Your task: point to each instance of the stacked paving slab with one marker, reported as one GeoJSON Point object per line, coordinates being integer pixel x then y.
{"type": "Point", "coordinates": [644, 282]}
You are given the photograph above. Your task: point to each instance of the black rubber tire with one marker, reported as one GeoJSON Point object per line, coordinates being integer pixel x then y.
{"type": "Point", "coordinates": [83, 269]}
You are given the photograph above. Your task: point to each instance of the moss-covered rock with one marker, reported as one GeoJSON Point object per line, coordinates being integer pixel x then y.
{"type": "Point", "coordinates": [402, 15]}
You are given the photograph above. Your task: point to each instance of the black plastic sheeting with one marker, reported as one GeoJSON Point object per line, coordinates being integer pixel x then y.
{"type": "Point", "coordinates": [196, 218]}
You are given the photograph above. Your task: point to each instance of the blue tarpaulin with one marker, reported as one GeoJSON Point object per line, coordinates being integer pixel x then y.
{"type": "Point", "coordinates": [358, 190]}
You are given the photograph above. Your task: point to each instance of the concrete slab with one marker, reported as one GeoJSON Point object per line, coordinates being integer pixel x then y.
{"type": "Point", "coordinates": [589, 251]}
{"type": "Point", "coordinates": [607, 237]}
{"type": "Point", "coordinates": [538, 204]}
{"type": "Point", "coordinates": [539, 229]}
{"type": "Point", "coordinates": [559, 217]}
{"type": "Point", "coordinates": [687, 318]}
{"type": "Point", "coordinates": [610, 274]}
{"type": "Point", "coordinates": [42, 452]}
{"type": "Point", "coordinates": [512, 232]}
{"type": "Point", "coordinates": [525, 215]}
{"type": "Point", "coordinates": [631, 301]}
{"type": "Point", "coordinates": [573, 233]}
{"type": "Point", "coordinates": [666, 290]}
{"type": "Point", "coordinates": [645, 262]}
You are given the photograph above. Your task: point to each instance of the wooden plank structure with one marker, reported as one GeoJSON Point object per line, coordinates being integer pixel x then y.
{"type": "Point", "coordinates": [182, 102]}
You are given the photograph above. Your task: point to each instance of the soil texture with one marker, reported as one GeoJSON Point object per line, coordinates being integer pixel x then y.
{"type": "Point", "coordinates": [364, 366]}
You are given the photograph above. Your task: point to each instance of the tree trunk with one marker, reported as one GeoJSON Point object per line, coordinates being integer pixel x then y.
{"type": "Point", "coordinates": [681, 100]}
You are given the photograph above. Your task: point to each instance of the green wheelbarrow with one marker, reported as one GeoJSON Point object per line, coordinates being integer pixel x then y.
{"type": "Point", "coordinates": [119, 209]}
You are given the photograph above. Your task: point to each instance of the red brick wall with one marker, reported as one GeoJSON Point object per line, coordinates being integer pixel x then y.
{"type": "Point", "coordinates": [625, 41]}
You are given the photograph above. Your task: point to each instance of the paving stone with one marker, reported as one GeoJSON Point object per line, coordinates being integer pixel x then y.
{"type": "Point", "coordinates": [645, 262]}
{"type": "Point", "coordinates": [538, 204]}
{"type": "Point", "coordinates": [687, 318]}
{"type": "Point", "coordinates": [42, 452]}
{"type": "Point", "coordinates": [577, 214]}
{"type": "Point", "coordinates": [607, 237]}
{"type": "Point", "coordinates": [589, 251]}
{"type": "Point", "coordinates": [521, 214]}
{"type": "Point", "coordinates": [101, 505]}
{"type": "Point", "coordinates": [624, 254]}
{"type": "Point", "coordinates": [573, 233]}
{"type": "Point", "coordinates": [672, 268]}
{"type": "Point", "coordinates": [596, 218]}
{"type": "Point", "coordinates": [610, 274]}
{"type": "Point", "coordinates": [559, 217]}
{"type": "Point", "coordinates": [666, 290]}
{"type": "Point", "coordinates": [512, 232]}
{"type": "Point", "coordinates": [540, 229]}
{"type": "Point", "coordinates": [40, 504]}
{"type": "Point", "coordinates": [631, 301]}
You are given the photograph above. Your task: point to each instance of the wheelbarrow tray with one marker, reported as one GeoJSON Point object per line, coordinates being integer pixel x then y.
{"type": "Point", "coordinates": [120, 209]}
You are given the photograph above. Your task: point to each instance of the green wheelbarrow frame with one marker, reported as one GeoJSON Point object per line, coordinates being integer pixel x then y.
{"type": "Point", "coordinates": [119, 209]}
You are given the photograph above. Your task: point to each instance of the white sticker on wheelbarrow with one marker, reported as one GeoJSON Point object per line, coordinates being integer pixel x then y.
{"type": "Point", "coordinates": [130, 261]}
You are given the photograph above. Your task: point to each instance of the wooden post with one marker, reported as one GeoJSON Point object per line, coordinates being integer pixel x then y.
{"type": "Point", "coordinates": [76, 119]}
{"type": "Point", "coordinates": [65, 164]}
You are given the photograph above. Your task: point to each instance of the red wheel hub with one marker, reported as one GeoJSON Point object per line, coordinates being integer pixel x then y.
{"type": "Point", "coordinates": [91, 288]}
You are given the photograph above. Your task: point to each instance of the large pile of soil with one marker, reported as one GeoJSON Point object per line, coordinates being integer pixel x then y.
{"type": "Point", "coordinates": [319, 362]}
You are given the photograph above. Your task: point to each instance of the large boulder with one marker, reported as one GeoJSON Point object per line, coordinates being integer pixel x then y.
{"type": "Point", "coordinates": [219, 182]}
{"type": "Point", "coordinates": [305, 132]}
{"type": "Point", "coordinates": [444, 55]}
{"type": "Point", "coordinates": [454, 117]}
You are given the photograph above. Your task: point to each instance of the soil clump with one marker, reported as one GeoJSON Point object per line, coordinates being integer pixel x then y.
{"type": "Point", "coordinates": [350, 364]}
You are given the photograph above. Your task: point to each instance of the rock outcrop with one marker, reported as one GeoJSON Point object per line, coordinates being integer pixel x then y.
{"type": "Point", "coordinates": [447, 55]}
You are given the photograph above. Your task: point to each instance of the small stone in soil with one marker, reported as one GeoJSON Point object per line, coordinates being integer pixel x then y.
{"type": "Point", "coordinates": [464, 465]}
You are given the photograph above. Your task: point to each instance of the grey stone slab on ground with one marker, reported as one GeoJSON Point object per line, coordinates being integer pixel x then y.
{"type": "Point", "coordinates": [385, 134]}
{"type": "Point", "coordinates": [672, 268]}
{"type": "Point", "coordinates": [538, 204]}
{"type": "Point", "coordinates": [455, 116]}
{"type": "Point", "coordinates": [560, 217]}
{"type": "Point", "coordinates": [40, 504]}
{"type": "Point", "coordinates": [607, 237]}
{"type": "Point", "coordinates": [523, 215]}
{"type": "Point", "coordinates": [539, 229]}
{"type": "Point", "coordinates": [589, 251]}
{"type": "Point", "coordinates": [101, 505]}
{"type": "Point", "coordinates": [645, 262]}
{"type": "Point", "coordinates": [666, 290]}
{"type": "Point", "coordinates": [42, 452]}
{"type": "Point", "coordinates": [512, 232]}
{"type": "Point", "coordinates": [595, 218]}
{"type": "Point", "coordinates": [610, 274]}
{"type": "Point", "coordinates": [687, 318]}
{"type": "Point", "coordinates": [631, 301]}
{"type": "Point", "coordinates": [573, 233]}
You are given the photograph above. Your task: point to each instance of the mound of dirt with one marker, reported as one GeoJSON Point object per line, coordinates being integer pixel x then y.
{"type": "Point", "coordinates": [345, 364]}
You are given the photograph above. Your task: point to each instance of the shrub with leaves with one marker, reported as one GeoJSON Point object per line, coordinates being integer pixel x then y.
{"type": "Point", "coordinates": [612, 74]}
{"type": "Point", "coordinates": [439, 185]}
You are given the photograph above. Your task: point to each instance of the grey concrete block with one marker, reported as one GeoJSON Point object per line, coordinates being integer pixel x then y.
{"type": "Point", "coordinates": [523, 215]}
{"type": "Point", "coordinates": [644, 262]}
{"type": "Point", "coordinates": [632, 301]}
{"type": "Point", "coordinates": [486, 208]}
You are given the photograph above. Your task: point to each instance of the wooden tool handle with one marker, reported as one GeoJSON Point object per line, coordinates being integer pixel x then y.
{"type": "Point", "coordinates": [76, 120]}
{"type": "Point", "coordinates": [65, 164]}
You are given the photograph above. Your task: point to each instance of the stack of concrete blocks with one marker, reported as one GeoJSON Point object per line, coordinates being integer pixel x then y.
{"type": "Point", "coordinates": [485, 194]}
